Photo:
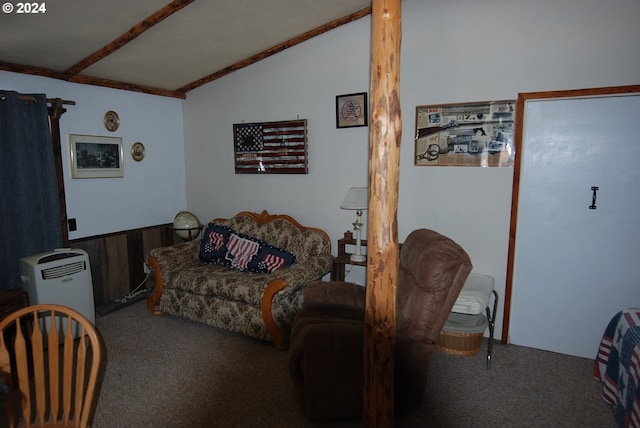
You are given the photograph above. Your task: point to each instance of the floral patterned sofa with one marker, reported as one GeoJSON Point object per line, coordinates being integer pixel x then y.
{"type": "Point", "coordinates": [223, 294]}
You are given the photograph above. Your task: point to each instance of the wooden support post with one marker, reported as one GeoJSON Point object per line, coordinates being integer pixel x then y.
{"type": "Point", "coordinates": [382, 249]}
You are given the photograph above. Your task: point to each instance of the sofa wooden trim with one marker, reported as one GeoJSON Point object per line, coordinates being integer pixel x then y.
{"type": "Point", "coordinates": [157, 292]}
{"type": "Point", "coordinates": [279, 338]}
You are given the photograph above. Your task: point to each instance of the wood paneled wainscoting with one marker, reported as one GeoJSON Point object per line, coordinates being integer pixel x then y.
{"type": "Point", "coordinates": [117, 259]}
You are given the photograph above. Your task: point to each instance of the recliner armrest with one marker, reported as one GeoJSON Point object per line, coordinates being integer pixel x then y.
{"type": "Point", "coordinates": [334, 295]}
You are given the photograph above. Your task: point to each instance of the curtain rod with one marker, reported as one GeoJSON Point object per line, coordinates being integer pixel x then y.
{"type": "Point", "coordinates": [49, 100]}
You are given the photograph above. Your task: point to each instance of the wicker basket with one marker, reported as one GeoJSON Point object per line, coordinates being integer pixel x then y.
{"type": "Point", "coordinates": [462, 334]}
{"type": "Point", "coordinates": [451, 342]}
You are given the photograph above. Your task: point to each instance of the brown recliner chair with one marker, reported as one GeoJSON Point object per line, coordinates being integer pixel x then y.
{"type": "Point", "coordinates": [327, 337]}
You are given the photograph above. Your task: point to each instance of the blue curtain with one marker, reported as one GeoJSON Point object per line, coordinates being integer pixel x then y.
{"type": "Point", "coordinates": [30, 220]}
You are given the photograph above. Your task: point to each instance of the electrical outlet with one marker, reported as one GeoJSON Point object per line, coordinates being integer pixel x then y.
{"type": "Point", "coordinates": [146, 268]}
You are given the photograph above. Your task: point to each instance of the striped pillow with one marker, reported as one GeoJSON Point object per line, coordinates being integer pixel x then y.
{"type": "Point", "coordinates": [270, 259]}
{"type": "Point", "coordinates": [213, 246]}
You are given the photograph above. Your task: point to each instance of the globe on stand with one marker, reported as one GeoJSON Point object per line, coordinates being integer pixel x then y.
{"type": "Point", "coordinates": [186, 225]}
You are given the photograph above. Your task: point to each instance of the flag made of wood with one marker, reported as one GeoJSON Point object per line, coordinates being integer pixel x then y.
{"type": "Point", "coordinates": [271, 147]}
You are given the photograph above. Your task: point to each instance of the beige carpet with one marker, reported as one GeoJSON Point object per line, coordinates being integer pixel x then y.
{"type": "Point", "coordinates": [169, 372]}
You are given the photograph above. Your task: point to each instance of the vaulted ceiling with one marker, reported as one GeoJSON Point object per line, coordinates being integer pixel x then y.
{"type": "Point", "coordinates": [157, 47]}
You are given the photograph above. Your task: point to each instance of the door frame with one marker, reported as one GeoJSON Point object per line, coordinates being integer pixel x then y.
{"type": "Point", "coordinates": [515, 191]}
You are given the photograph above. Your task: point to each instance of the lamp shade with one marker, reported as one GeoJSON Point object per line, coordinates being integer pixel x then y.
{"type": "Point", "coordinates": [357, 199]}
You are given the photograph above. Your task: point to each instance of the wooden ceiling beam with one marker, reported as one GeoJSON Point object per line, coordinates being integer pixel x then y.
{"type": "Point", "coordinates": [88, 80]}
{"type": "Point", "coordinates": [134, 32]}
{"type": "Point", "coordinates": [97, 81]}
{"type": "Point", "coordinates": [36, 71]}
{"type": "Point", "coordinates": [278, 48]}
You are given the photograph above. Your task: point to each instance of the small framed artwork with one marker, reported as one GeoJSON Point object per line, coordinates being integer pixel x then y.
{"type": "Point", "coordinates": [96, 157]}
{"type": "Point", "coordinates": [352, 110]}
{"type": "Point", "coordinates": [138, 151]}
{"type": "Point", "coordinates": [111, 121]}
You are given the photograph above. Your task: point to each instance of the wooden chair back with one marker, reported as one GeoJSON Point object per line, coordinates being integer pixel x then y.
{"type": "Point", "coordinates": [50, 358]}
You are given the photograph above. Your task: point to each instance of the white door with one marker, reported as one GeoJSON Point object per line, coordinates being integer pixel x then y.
{"type": "Point", "coordinates": [576, 267]}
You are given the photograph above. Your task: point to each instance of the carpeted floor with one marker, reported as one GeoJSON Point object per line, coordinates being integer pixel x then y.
{"type": "Point", "coordinates": [169, 372]}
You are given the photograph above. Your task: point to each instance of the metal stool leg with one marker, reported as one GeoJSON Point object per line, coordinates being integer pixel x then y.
{"type": "Point", "coordinates": [491, 319]}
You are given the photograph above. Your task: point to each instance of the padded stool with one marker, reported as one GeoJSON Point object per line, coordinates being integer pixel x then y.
{"type": "Point", "coordinates": [467, 312]}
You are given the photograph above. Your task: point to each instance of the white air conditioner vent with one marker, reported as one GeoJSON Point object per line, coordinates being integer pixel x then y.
{"type": "Point", "coordinates": [63, 270]}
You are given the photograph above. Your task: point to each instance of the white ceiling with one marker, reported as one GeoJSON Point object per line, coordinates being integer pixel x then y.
{"type": "Point", "coordinates": [202, 38]}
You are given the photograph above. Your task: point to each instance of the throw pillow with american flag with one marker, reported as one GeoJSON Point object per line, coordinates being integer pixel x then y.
{"type": "Point", "coordinates": [224, 246]}
{"type": "Point", "coordinates": [213, 246]}
{"type": "Point", "coordinates": [241, 249]}
{"type": "Point", "coordinates": [270, 259]}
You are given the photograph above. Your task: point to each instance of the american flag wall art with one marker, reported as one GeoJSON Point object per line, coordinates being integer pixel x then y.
{"type": "Point", "coordinates": [271, 147]}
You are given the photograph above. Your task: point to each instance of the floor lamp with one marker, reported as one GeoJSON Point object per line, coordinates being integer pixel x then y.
{"type": "Point", "coordinates": [357, 199]}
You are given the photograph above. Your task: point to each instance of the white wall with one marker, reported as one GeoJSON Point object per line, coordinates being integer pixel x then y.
{"type": "Point", "coordinates": [460, 51]}
{"type": "Point", "coordinates": [152, 191]}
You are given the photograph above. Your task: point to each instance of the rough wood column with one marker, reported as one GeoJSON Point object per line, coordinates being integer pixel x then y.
{"type": "Point", "coordinates": [382, 247]}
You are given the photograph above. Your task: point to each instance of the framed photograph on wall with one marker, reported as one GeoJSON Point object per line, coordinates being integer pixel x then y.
{"type": "Point", "coordinates": [96, 157]}
{"type": "Point", "coordinates": [465, 134]}
{"type": "Point", "coordinates": [352, 110]}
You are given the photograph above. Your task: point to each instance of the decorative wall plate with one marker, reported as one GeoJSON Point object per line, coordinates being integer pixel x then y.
{"type": "Point", "coordinates": [351, 110]}
{"type": "Point", "coordinates": [111, 120]}
{"type": "Point", "coordinates": [137, 151]}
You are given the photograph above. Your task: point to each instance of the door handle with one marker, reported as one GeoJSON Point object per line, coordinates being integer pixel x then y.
{"type": "Point", "coordinates": [593, 197]}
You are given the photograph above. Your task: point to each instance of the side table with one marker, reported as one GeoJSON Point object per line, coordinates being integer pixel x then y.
{"type": "Point", "coordinates": [343, 258]}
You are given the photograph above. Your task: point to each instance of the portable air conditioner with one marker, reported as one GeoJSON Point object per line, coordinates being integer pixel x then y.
{"type": "Point", "coordinates": [62, 277]}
